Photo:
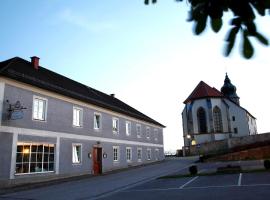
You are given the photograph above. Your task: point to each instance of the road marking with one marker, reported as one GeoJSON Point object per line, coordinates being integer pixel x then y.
{"type": "Point", "coordinates": [190, 188]}
{"type": "Point", "coordinates": [240, 179]}
{"type": "Point", "coordinates": [131, 185]}
{"type": "Point", "coordinates": [182, 186]}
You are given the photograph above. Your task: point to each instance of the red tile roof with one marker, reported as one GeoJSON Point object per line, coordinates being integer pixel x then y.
{"type": "Point", "coordinates": [203, 90]}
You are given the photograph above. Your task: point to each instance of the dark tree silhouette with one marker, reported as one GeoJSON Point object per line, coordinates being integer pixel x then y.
{"type": "Point", "coordinates": [242, 23]}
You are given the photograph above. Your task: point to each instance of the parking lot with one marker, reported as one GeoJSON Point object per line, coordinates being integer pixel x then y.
{"type": "Point", "coordinates": [229, 186]}
{"type": "Point", "coordinates": [143, 183]}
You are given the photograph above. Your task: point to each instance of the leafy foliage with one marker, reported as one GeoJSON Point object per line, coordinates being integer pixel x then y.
{"type": "Point", "coordinates": [243, 22]}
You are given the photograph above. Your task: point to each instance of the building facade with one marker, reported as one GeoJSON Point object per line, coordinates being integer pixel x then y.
{"type": "Point", "coordinates": [52, 125]}
{"type": "Point", "coordinates": [211, 115]}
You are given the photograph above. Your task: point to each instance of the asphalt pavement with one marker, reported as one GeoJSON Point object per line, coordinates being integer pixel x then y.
{"type": "Point", "coordinates": [102, 186]}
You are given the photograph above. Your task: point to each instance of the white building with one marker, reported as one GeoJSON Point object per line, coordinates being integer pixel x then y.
{"type": "Point", "coordinates": [211, 115]}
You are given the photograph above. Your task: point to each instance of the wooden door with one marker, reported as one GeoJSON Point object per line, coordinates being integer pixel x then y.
{"type": "Point", "coordinates": [97, 160]}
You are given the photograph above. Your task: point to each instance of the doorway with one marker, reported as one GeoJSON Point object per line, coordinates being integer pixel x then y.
{"type": "Point", "coordinates": [97, 160]}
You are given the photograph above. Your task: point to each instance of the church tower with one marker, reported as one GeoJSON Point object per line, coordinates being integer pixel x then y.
{"type": "Point", "coordinates": [229, 90]}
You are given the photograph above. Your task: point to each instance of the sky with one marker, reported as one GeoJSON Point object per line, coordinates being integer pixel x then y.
{"type": "Point", "coordinates": [147, 56]}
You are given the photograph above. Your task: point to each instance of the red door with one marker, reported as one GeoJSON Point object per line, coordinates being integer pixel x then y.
{"type": "Point", "coordinates": [97, 160]}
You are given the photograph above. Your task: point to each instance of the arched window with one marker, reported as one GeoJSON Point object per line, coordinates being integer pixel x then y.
{"type": "Point", "coordinates": [217, 119]}
{"type": "Point", "coordinates": [201, 116]}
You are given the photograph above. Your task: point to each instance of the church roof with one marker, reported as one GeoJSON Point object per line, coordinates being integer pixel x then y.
{"type": "Point", "coordinates": [203, 90]}
{"type": "Point", "coordinates": [22, 70]}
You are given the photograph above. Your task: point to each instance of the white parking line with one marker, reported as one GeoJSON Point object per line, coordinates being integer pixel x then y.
{"type": "Point", "coordinates": [240, 179]}
{"type": "Point", "coordinates": [121, 189]}
{"type": "Point", "coordinates": [182, 186]}
{"type": "Point", "coordinates": [191, 188]}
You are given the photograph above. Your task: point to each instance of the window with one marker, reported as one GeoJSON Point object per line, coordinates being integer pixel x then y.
{"type": "Point", "coordinates": [129, 154]}
{"type": "Point", "coordinates": [148, 154]}
{"type": "Point", "coordinates": [233, 118]}
{"type": "Point", "coordinates": [34, 158]}
{"type": "Point", "coordinates": [139, 154]}
{"type": "Point", "coordinates": [217, 119]}
{"type": "Point", "coordinates": [157, 154]}
{"type": "Point", "coordinates": [116, 153]}
{"type": "Point", "coordinates": [201, 116]}
{"type": "Point", "coordinates": [39, 108]}
{"type": "Point", "coordinates": [147, 132]}
{"type": "Point", "coordinates": [156, 134]}
{"type": "Point", "coordinates": [97, 121]}
{"type": "Point", "coordinates": [235, 130]}
{"type": "Point", "coordinates": [76, 153]}
{"type": "Point", "coordinates": [139, 130]}
{"type": "Point", "coordinates": [128, 128]}
{"type": "Point", "coordinates": [115, 125]}
{"type": "Point", "coordinates": [77, 116]}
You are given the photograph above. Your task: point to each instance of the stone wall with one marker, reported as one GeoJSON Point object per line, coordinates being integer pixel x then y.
{"type": "Point", "coordinates": [231, 144]}
{"type": "Point", "coordinates": [258, 153]}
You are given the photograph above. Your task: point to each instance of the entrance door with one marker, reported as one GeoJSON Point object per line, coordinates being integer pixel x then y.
{"type": "Point", "coordinates": [97, 160]}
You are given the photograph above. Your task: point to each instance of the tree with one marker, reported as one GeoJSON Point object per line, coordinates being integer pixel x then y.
{"type": "Point", "coordinates": [242, 23]}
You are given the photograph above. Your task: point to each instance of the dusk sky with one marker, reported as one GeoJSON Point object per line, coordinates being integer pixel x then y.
{"type": "Point", "coordinates": [146, 55]}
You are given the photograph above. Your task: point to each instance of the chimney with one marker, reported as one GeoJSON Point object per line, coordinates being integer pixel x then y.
{"type": "Point", "coordinates": [112, 95]}
{"type": "Point", "coordinates": [35, 62]}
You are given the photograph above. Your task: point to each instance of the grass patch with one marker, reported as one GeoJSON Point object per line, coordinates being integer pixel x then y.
{"type": "Point", "coordinates": [212, 173]}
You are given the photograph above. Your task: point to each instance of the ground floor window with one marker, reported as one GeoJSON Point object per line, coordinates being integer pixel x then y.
{"type": "Point", "coordinates": [34, 158]}
{"type": "Point", "coordinates": [76, 153]}
{"type": "Point", "coordinates": [157, 154]}
{"type": "Point", "coordinates": [128, 154]}
{"type": "Point", "coordinates": [148, 154]}
{"type": "Point", "coordinates": [116, 153]}
{"type": "Point", "coordinates": [139, 154]}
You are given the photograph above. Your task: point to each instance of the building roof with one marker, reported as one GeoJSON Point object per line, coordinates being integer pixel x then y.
{"type": "Point", "coordinates": [203, 90]}
{"type": "Point", "coordinates": [22, 70]}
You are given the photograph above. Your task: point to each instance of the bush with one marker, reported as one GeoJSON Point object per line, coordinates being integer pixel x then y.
{"type": "Point", "coordinates": [266, 164]}
{"type": "Point", "coordinates": [193, 170]}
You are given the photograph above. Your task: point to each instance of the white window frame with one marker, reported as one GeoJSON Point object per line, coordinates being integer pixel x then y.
{"type": "Point", "coordinates": [100, 122]}
{"type": "Point", "coordinates": [118, 153]}
{"type": "Point", "coordinates": [44, 111]}
{"type": "Point", "coordinates": [156, 134]}
{"type": "Point", "coordinates": [148, 133]}
{"type": "Point", "coordinates": [128, 128]}
{"type": "Point", "coordinates": [129, 157]}
{"type": "Point", "coordinates": [148, 154]}
{"type": "Point", "coordinates": [139, 149]}
{"type": "Point", "coordinates": [79, 162]}
{"type": "Point", "coordinates": [30, 152]}
{"type": "Point", "coordinates": [139, 133]}
{"type": "Point", "coordinates": [117, 124]}
{"type": "Point", "coordinates": [80, 122]}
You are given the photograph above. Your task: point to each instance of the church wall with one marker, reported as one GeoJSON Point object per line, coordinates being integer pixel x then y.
{"type": "Point", "coordinates": [202, 138]}
{"type": "Point", "coordinates": [252, 125]}
{"type": "Point", "coordinates": [184, 125]}
{"type": "Point", "coordinates": [221, 136]}
{"type": "Point", "coordinates": [240, 122]}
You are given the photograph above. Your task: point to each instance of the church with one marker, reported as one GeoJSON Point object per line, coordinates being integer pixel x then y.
{"type": "Point", "coordinates": [211, 115]}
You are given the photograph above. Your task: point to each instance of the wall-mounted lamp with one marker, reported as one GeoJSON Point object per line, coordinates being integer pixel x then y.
{"type": "Point", "coordinates": [193, 142]}
{"type": "Point", "coordinates": [89, 155]}
{"type": "Point", "coordinates": [104, 155]}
